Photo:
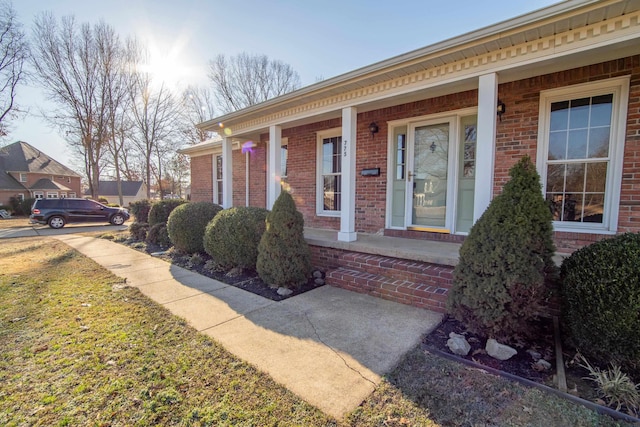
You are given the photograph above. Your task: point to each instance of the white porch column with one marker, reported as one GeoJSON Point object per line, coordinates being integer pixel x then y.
{"type": "Point", "coordinates": [227, 173]}
{"type": "Point", "coordinates": [486, 143]}
{"type": "Point", "coordinates": [347, 231]}
{"type": "Point", "coordinates": [275, 165]}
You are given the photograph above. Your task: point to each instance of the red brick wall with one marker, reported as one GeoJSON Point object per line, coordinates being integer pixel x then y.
{"type": "Point", "coordinates": [516, 136]}
{"type": "Point", "coordinates": [202, 178]}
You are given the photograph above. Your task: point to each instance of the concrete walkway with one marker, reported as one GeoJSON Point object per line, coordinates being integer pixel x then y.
{"type": "Point", "coordinates": [329, 346]}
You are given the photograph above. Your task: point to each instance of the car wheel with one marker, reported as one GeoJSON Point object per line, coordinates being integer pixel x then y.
{"type": "Point", "coordinates": [56, 222]}
{"type": "Point", "coordinates": [117, 219]}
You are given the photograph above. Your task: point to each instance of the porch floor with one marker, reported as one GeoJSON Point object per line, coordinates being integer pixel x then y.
{"type": "Point", "coordinates": [433, 252]}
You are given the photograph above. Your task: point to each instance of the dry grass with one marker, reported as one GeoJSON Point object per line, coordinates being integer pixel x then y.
{"type": "Point", "coordinates": [80, 348]}
{"type": "Point", "coordinates": [17, 222]}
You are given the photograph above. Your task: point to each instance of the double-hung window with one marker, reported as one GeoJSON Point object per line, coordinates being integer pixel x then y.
{"type": "Point", "coordinates": [581, 133]}
{"type": "Point", "coordinates": [329, 173]}
{"type": "Point", "coordinates": [218, 182]}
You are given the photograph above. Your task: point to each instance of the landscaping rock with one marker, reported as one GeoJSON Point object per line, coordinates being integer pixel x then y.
{"type": "Point", "coordinates": [458, 344]}
{"type": "Point", "coordinates": [534, 355]}
{"type": "Point", "coordinates": [499, 351]}
{"type": "Point", "coordinates": [317, 274]}
{"type": "Point", "coordinates": [284, 291]}
{"type": "Point", "coordinates": [319, 282]}
{"type": "Point", "coordinates": [235, 272]}
{"type": "Point", "coordinates": [542, 365]}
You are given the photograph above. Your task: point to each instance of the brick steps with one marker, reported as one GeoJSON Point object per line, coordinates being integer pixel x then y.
{"type": "Point", "coordinates": [415, 294]}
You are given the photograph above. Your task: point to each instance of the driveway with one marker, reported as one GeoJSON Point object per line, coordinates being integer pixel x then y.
{"type": "Point", "coordinates": [44, 230]}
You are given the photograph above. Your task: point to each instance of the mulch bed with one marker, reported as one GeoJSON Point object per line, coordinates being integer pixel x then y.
{"type": "Point", "coordinates": [247, 280]}
{"type": "Point", "coordinates": [522, 364]}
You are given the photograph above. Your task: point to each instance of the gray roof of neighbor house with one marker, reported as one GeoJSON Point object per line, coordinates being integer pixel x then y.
{"type": "Point", "coordinates": [110, 188]}
{"type": "Point", "coordinates": [22, 157]}
{"type": "Point", "coordinates": [47, 184]}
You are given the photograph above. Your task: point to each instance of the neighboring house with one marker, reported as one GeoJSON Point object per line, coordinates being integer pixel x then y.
{"type": "Point", "coordinates": [131, 191]}
{"type": "Point", "coordinates": [26, 172]}
{"type": "Point", "coordinates": [416, 146]}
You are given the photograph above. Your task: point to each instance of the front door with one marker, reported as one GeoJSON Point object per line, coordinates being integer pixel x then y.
{"type": "Point", "coordinates": [428, 176]}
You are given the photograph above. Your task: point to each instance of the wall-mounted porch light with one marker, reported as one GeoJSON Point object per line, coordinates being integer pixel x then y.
{"type": "Point", "coordinates": [373, 128]}
{"type": "Point", "coordinates": [500, 110]}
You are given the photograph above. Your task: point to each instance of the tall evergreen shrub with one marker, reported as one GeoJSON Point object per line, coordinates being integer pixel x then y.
{"type": "Point", "coordinates": [284, 259]}
{"type": "Point", "coordinates": [499, 282]}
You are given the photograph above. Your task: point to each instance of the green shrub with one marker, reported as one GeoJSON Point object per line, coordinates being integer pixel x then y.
{"type": "Point", "coordinates": [601, 301]}
{"type": "Point", "coordinates": [140, 210]}
{"type": "Point", "coordinates": [158, 235]}
{"type": "Point", "coordinates": [139, 230]}
{"type": "Point", "coordinates": [20, 207]}
{"type": "Point", "coordinates": [232, 237]}
{"type": "Point", "coordinates": [499, 282]}
{"type": "Point", "coordinates": [187, 223]}
{"type": "Point", "coordinates": [160, 210]}
{"type": "Point", "coordinates": [103, 200]}
{"type": "Point", "coordinates": [284, 258]}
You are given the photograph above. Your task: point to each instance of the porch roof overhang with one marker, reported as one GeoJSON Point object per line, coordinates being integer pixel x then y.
{"type": "Point", "coordinates": [566, 35]}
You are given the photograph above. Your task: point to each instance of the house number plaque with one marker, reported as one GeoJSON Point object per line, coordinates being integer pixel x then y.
{"type": "Point", "coordinates": [344, 148]}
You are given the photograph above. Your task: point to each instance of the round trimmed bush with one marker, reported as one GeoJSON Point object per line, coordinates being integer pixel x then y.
{"type": "Point", "coordinates": [140, 210]}
{"type": "Point", "coordinates": [232, 237]}
{"type": "Point", "coordinates": [160, 210]}
{"type": "Point", "coordinates": [139, 230]}
{"type": "Point", "coordinates": [158, 235]}
{"type": "Point", "coordinates": [187, 223]}
{"type": "Point", "coordinates": [601, 301]}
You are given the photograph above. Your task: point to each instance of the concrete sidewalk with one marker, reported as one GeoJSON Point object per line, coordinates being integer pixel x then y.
{"type": "Point", "coordinates": [329, 346]}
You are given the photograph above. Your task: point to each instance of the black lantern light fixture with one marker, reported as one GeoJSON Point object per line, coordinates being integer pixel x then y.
{"type": "Point", "coordinates": [432, 147]}
{"type": "Point", "coordinates": [373, 128]}
{"type": "Point", "coordinates": [500, 110]}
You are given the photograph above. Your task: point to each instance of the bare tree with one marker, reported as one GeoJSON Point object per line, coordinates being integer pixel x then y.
{"type": "Point", "coordinates": [245, 80]}
{"type": "Point", "coordinates": [198, 106]}
{"type": "Point", "coordinates": [156, 117]}
{"type": "Point", "coordinates": [14, 51]}
{"type": "Point", "coordinates": [76, 65]}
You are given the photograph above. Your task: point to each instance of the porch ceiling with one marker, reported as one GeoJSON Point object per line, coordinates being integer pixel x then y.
{"type": "Point", "coordinates": [565, 18]}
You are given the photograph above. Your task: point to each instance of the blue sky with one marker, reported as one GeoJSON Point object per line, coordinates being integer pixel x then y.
{"type": "Point", "coordinates": [318, 38]}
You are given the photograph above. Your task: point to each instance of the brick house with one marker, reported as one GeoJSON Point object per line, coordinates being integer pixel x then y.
{"type": "Point", "coordinates": [392, 163]}
{"type": "Point", "coordinates": [26, 172]}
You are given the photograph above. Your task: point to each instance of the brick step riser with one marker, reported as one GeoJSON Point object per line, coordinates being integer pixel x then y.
{"type": "Point", "coordinates": [421, 295]}
{"type": "Point", "coordinates": [394, 268]}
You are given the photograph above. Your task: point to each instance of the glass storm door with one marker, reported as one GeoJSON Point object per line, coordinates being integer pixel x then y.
{"type": "Point", "coordinates": [427, 177]}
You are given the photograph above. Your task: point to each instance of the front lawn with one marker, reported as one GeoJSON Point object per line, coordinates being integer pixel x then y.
{"type": "Point", "coordinates": [81, 348]}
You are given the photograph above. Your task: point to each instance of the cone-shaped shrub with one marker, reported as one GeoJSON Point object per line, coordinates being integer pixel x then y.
{"type": "Point", "coordinates": [232, 236]}
{"type": "Point", "coordinates": [601, 301]}
{"type": "Point", "coordinates": [284, 259]}
{"type": "Point", "coordinates": [187, 223]}
{"type": "Point", "coordinates": [499, 283]}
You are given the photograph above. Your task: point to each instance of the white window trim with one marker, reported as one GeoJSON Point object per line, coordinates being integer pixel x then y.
{"type": "Point", "coordinates": [52, 195]}
{"type": "Point", "coordinates": [619, 87]}
{"type": "Point", "coordinates": [25, 177]}
{"type": "Point", "coordinates": [38, 195]}
{"type": "Point", "coordinates": [328, 133]}
{"type": "Point", "coordinates": [216, 196]}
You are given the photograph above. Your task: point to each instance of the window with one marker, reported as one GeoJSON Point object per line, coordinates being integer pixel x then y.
{"type": "Point", "coordinates": [284, 155]}
{"type": "Point", "coordinates": [329, 174]}
{"type": "Point", "coordinates": [38, 195]}
{"type": "Point", "coordinates": [72, 195]}
{"type": "Point", "coordinates": [23, 177]}
{"type": "Point", "coordinates": [581, 153]}
{"type": "Point", "coordinates": [218, 187]}
{"type": "Point", "coordinates": [52, 194]}
{"type": "Point", "coordinates": [21, 197]}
